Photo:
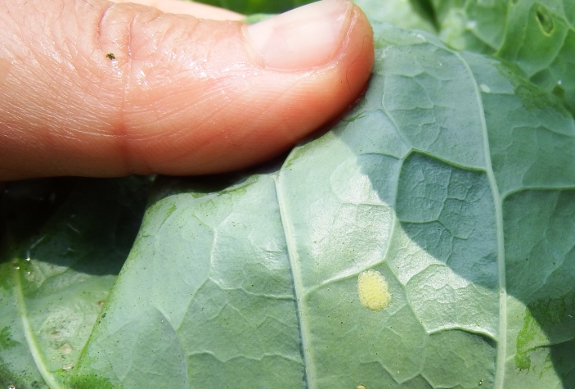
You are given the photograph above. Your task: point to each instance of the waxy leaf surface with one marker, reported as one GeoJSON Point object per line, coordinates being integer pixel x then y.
{"type": "Point", "coordinates": [452, 179]}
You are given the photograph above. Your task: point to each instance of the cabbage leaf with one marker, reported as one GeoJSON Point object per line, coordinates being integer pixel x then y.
{"type": "Point", "coordinates": [426, 241]}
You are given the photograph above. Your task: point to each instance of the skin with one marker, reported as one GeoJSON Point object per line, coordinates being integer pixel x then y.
{"type": "Point", "coordinates": [182, 95]}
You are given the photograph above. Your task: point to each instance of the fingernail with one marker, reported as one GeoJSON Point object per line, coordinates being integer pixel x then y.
{"type": "Point", "coordinates": [304, 37]}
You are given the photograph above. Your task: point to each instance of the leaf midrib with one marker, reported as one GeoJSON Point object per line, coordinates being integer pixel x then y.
{"type": "Point", "coordinates": [309, 374]}
{"type": "Point", "coordinates": [29, 334]}
{"type": "Point", "coordinates": [497, 202]}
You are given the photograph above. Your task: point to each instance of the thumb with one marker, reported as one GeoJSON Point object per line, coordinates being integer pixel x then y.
{"type": "Point", "coordinates": [92, 88]}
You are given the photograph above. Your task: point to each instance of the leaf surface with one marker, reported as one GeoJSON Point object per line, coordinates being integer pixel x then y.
{"type": "Point", "coordinates": [452, 179]}
{"type": "Point", "coordinates": [537, 36]}
{"type": "Point", "coordinates": [65, 243]}
{"type": "Point", "coordinates": [450, 187]}
{"type": "Point", "coordinates": [249, 7]}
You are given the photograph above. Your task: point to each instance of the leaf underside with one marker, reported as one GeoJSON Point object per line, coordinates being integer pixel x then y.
{"type": "Point", "coordinates": [452, 179]}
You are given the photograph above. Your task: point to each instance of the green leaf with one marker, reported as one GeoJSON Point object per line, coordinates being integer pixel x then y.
{"type": "Point", "coordinates": [65, 243]}
{"type": "Point", "coordinates": [538, 36]}
{"type": "Point", "coordinates": [450, 187]}
{"type": "Point", "coordinates": [407, 14]}
{"type": "Point", "coordinates": [425, 242]}
{"type": "Point", "coordinates": [249, 7]}
{"type": "Point", "coordinates": [472, 25]}
{"type": "Point", "coordinates": [540, 39]}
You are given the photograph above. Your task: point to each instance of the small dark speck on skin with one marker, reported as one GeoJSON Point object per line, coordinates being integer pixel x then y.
{"type": "Point", "coordinates": [111, 56]}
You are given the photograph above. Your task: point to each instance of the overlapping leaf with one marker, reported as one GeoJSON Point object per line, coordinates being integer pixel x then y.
{"type": "Point", "coordinates": [62, 251]}
{"type": "Point", "coordinates": [538, 36]}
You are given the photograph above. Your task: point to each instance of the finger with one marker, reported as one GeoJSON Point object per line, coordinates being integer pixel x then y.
{"type": "Point", "coordinates": [198, 10]}
{"type": "Point", "coordinates": [92, 88]}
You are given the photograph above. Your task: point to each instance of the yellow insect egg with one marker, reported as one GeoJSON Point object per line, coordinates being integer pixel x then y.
{"type": "Point", "coordinates": [373, 292]}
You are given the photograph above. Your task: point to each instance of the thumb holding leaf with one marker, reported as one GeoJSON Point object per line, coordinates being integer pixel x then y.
{"type": "Point", "coordinates": [93, 88]}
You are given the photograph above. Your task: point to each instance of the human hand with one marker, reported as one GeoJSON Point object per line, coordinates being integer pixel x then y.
{"type": "Point", "coordinates": [93, 88]}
